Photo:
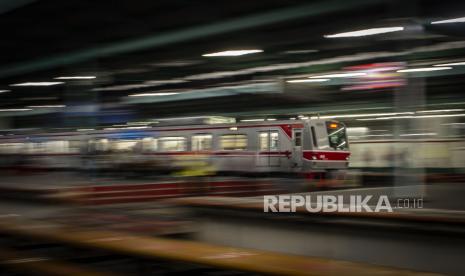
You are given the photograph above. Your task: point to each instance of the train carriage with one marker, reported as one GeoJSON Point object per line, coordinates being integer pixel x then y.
{"type": "Point", "coordinates": [291, 146]}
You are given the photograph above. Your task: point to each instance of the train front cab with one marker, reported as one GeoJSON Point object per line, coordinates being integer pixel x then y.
{"type": "Point", "coordinates": [325, 152]}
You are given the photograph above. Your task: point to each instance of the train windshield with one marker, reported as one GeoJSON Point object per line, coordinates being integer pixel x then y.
{"type": "Point", "coordinates": [337, 136]}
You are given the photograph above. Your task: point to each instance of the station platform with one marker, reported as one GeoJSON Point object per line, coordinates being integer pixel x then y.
{"type": "Point", "coordinates": [70, 188]}
{"type": "Point", "coordinates": [426, 239]}
{"type": "Point", "coordinates": [188, 252]}
{"type": "Point", "coordinates": [235, 219]}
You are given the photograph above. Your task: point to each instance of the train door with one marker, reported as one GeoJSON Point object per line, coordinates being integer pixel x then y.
{"type": "Point", "coordinates": [297, 148]}
{"type": "Point", "coordinates": [268, 148]}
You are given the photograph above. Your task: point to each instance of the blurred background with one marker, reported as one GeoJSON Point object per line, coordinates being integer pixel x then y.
{"type": "Point", "coordinates": [85, 84]}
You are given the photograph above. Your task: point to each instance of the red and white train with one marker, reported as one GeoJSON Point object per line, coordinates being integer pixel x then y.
{"type": "Point", "coordinates": [291, 146]}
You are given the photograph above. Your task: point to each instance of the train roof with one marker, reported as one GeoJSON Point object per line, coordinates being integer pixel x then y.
{"type": "Point", "coordinates": [159, 127]}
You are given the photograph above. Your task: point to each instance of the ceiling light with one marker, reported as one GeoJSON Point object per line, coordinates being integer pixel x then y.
{"type": "Point", "coordinates": [152, 94]}
{"type": "Point", "coordinates": [297, 52]}
{"type": "Point", "coordinates": [372, 31]}
{"type": "Point", "coordinates": [440, 116]}
{"type": "Point", "coordinates": [4, 91]}
{"type": "Point", "coordinates": [307, 80]}
{"type": "Point", "coordinates": [440, 110]}
{"type": "Point", "coordinates": [453, 20]}
{"type": "Point", "coordinates": [232, 53]}
{"type": "Point", "coordinates": [42, 83]}
{"type": "Point", "coordinates": [138, 123]}
{"type": "Point", "coordinates": [413, 117]}
{"type": "Point", "coordinates": [424, 69]}
{"type": "Point", "coordinates": [47, 106]}
{"type": "Point", "coordinates": [419, 134]}
{"type": "Point", "coordinates": [145, 84]}
{"type": "Point", "coordinates": [363, 115]}
{"type": "Point", "coordinates": [253, 120]}
{"type": "Point", "coordinates": [76, 78]}
{"type": "Point", "coordinates": [340, 75]}
{"type": "Point", "coordinates": [359, 129]}
{"type": "Point", "coordinates": [386, 118]}
{"type": "Point", "coordinates": [14, 109]}
{"type": "Point", "coordinates": [85, 129]}
{"type": "Point", "coordinates": [451, 64]}
{"type": "Point", "coordinates": [137, 127]}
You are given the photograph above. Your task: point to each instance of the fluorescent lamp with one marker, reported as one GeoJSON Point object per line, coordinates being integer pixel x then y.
{"type": "Point", "coordinates": [440, 116]}
{"type": "Point", "coordinates": [47, 106]}
{"type": "Point", "coordinates": [4, 91]}
{"type": "Point", "coordinates": [152, 94]}
{"type": "Point", "coordinates": [340, 75]}
{"type": "Point", "coordinates": [271, 119]}
{"type": "Point", "coordinates": [375, 135]}
{"type": "Point", "coordinates": [440, 110]}
{"type": "Point", "coordinates": [451, 64]}
{"type": "Point", "coordinates": [85, 129]}
{"type": "Point", "coordinates": [387, 118]}
{"type": "Point", "coordinates": [297, 52]}
{"type": "Point", "coordinates": [138, 123]}
{"type": "Point", "coordinates": [14, 109]}
{"type": "Point", "coordinates": [413, 117]}
{"type": "Point", "coordinates": [372, 31]}
{"type": "Point", "coordinates": [360, 129]}
{"type": "Point", "coordinates": [452, 20]}
{"type": "Point", "coordinates": [232, 53]}
{"type": "Point", "coordinates": [424, 69]}
{"type": "Point", "coordinates": [307, 80]}
{"type": "Point", "coordinates": [137, 127]}
{"type": "Point", "coordinates": [363, 115]}
{"type": "Point", "coordinates": [76, 78]}
{"type": "Point", "coordinates": [420, 134]}
{"type": "Point", "coordinates": [253, 120]}
{"type": "Point", "coordinates": [42, 83]}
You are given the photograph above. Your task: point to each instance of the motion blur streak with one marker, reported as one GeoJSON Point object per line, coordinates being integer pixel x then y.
{"type": "Point", "coordinates": [168, 137]}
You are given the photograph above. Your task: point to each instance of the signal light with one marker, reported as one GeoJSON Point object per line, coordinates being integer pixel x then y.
{"type": "Point", "coordinates": [332, 125]}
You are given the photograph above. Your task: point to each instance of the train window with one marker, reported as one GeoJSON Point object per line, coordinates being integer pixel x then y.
{"type": "Point", "coordinates": [233, 142]}
{"type": "Point", "coordinates": [11, 147]}
{"type": "Point", "coordinates": [123, 145]}
{"type": "Point", "coordinates": [56, 146]}
{"type": "Point", "coordinates": [274, 140]}
{"type": "Point", "coordinates": [315, 142]}
{"type": "Point", "coordinates": [268, 141]}
{"type": "Point", "coordinates": [337, 136]}
{"type": "Point", "coordinates": [102, 145]}
{"type": "Point", "coordinates": [263, 141]}
{"type": "Point", "coordinates": [149, 144]}
{"type": "Point", "coordinates": [298, 139]}
{"type": "Point", "coordinates": [75, 146]}
{"type": "Point", "coordinates": [201, 142]}
{"type": "Point", "coordinates": [172, 143]}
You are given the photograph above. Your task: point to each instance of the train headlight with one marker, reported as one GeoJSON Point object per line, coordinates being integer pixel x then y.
{"type": "Point", "coordinates": [348, 157]}
{"type": "Point", "coordinates": [314, 157]}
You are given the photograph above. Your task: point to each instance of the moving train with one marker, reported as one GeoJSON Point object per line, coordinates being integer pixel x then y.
{"type": "Point", "coordinates": [292, 146]}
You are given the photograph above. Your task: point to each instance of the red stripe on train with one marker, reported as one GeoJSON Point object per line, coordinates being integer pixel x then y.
{"type": "Point", "coordinates": [326, 155]}
{"type": "Point", "coordinates": [222, 153]}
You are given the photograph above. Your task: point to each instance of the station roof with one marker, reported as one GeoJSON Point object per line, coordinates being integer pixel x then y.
{"type": "Point", "coordinates": [153, 47]}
